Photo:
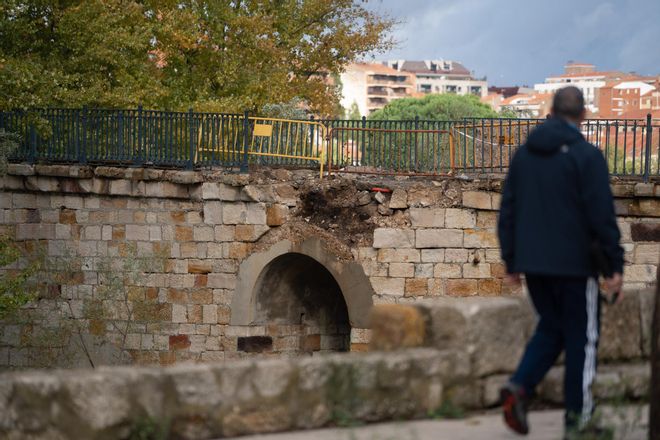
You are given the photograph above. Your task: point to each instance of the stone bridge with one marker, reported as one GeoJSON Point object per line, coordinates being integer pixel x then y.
{"type": "Point", "coordinates": [153, 266]}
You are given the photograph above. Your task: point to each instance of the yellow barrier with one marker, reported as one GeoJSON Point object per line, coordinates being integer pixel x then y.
{"type": "Point", "coordinates": [286, 139]}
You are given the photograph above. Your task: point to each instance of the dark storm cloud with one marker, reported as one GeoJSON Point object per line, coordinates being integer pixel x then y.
{"type": "Point", "coordinates": [524, 41]}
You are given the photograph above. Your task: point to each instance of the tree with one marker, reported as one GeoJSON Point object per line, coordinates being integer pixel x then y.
{"type": "Point", "coordinates": [353, 112]}
{"type": "Point", "coordinates": [445, 107]}
{"type": "Point", "coordinates": [210, 55]}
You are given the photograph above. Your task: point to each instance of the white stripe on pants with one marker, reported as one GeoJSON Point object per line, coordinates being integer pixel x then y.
{"type": "Point", "coordinates": [589, 372]}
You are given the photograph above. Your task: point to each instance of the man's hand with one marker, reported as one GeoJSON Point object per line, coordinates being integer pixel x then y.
{"type": "Point", "coordinates": [512, 279]}
{"type": "Point", "coordinates": [613, 286]}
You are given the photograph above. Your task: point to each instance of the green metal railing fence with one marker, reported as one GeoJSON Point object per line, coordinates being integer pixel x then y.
{"type": "Point", "coordinates": [190, 139]}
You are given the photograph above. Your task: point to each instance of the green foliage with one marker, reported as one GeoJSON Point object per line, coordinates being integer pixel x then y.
{"type": "Point", "coordinates": [210, 55]}
{"type": "Point", "coordinates": [448, 410]}
{"type": "Point", "coordinates": [294, 109]}
{"type": "Point", "coordinates": [353, 112]}
{"type": "Point", "coordinates": [146, 428]}
{"type": "Point", "coordinates": [15, 290]}
{"type": "Point", "coordinates": [8, 145]}
{"type": "Point", "coordinates": [444, 107]}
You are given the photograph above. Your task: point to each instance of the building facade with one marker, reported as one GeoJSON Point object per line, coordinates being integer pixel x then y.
{"type": "Point", "coordinates": [583, 76]}
{"type": "Point", "coordinates": [441, 76]}
{"type": "Point", "coordinates": [372, 86]}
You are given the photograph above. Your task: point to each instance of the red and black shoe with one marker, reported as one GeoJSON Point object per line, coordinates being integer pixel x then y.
{"type": "Point", "coordinates": [514, 407]}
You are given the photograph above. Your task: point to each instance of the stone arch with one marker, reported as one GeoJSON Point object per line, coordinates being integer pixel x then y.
{"type": "Point", "coordinates": [288, 280]}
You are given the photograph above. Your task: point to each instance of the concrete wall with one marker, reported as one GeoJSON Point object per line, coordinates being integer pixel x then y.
{"type": "Point", "coordinates": [189, 251]}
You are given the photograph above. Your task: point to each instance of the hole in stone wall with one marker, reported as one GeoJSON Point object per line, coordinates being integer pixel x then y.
{"type": "Point", "coordinates": [301, 306]}
{"type": "Point", "coordinates": [255, 344]}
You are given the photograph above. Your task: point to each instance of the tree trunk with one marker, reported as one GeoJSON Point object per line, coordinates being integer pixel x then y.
{"type": "Point", "coordinates": [654, 413]}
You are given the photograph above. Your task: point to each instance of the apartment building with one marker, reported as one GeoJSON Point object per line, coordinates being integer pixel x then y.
{"type": "Point", "coordinates": [528, 105]}
{"type": "Point", "coordinates": [441, 76]}
{"type": "Point", "coordinates": [585, 77]}
{"type": "Point", "coordinates": [629, 99]}
{"type": "Point", "coordinates": [372, 85]}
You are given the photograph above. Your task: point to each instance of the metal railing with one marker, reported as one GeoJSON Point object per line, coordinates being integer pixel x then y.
{"type": "Point", "coordinates": [417, 147]}
{"type": "Point", "coordinates": [420, 147]}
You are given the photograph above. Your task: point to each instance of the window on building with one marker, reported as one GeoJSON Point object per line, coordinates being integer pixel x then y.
{"type": "Point", "coordinates": [425, 88]}
{"type": "Point", "coordinates": [475, 90]}
{"type": "Point", "coordinates": [450, 89]}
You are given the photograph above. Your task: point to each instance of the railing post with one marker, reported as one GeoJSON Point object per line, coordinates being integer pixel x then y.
{"type": "Point", "coordinates": [246, 143]}
{"type": "Point", "coordinates": [33, 144]}
{"type": "Point", "coordinates": [140, 159]}
{"type": "Point", "coordinates": [82, 153]}
{"type": "Point", "coordinates": [311, 135]}
{"type": "Point", "coordinates": [416, 147]}
{"type": "Point", "coordinates": [192, 141]}
{"type": "Point", "coordinates": [647, 152]}
{"type": "Point", "coordinates": [363, 141]}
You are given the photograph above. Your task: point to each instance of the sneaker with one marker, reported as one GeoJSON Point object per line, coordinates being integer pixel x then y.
{"type": "Point", "coordinates": [514, 407]}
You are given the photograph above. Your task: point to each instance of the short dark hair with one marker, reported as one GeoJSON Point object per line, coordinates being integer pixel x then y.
{"type": "Point", "coordinates": [568, 102]}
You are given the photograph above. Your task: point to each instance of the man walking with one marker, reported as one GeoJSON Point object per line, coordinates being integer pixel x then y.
{"type": "Point", "coordinates": [557, 210]}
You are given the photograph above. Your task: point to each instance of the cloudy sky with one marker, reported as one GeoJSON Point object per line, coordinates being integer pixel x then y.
{"type": "Point", "coordinates": [516, 42]}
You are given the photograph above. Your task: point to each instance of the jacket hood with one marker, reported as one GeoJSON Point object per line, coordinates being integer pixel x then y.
{"type": "Point", "coordinates": [551, 135]}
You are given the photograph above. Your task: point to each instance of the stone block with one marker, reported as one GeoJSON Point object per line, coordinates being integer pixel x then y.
{"type": "Point", "coordinates": [640, 273]}
{"type": "Point", "coordinates": [210, 314]}
{"type": "Point", "coordinates": [213, 212]}
{"type": "Point", "coordinates": [446, 270]}
{"type": "Point", "coordinates": [433, 255]}
{"type": "Point", "coordinates": [219, 191]}
{"type": "Point", "coordinates": [424, 270]}
{"type": "Point", "coordinates": [234, 213]}
{"type": "Point", "coordinates": [486, 219]}
{"type": "Point", "coordinates": [645, 232]}
{"type": "Point", "coordinates": [493, 331]}
{"type": "Point", "coordinates": [393, 238]}
{"type": "Point", "coordinates": [621, 328]}
{"type": "Point", "coordinates": [276, 215]}
{"type": "Point", "coordinates": [399, 255]}
{"type": "Point", "coordinates": [475, 238]}
{"type": "Point", "coordinates": [460, 218]}
{"type": "Point", "coordinates": [477, 200]}
{"type": "Point", "coordinates": [35, 231]}
{"type": "Point", "coordinates": [250, 233]}
{"type": "Point", "coordinates": [203, 233]}
{"type": "Point", "coordinates": [137, 232]}
{"type": "Point", "coordinates": [416, 287]}
{"type": "Point", "coordinates": [221, 281]}
{"type": "Point", "coordinates": [481, 270]}
{"type": "Point", "coordinates": [427, 217]}
{"type": "Point", "coordinates": [461, 287]}
{"type": "Point", "coordinates": [647, 253]}
{"type": "Point", "coordinates": [644, 189]}
{"type": "Point", "coordinates": [402, 270]}
{"type": "Point", "coordinates": [256, 214]}
{"type": "Point", "coordinates": [388, 286]}
{"type": "Point", "coordinates": [399, 199]}
{"type": "Point", "coordinates": [258, 193]}
{"type": "Point", "coordinates": [456, 255]}
{"type": "Point", "coordinates": [396, 326]}
{"type": "Point", "coordinates": [438, 238]}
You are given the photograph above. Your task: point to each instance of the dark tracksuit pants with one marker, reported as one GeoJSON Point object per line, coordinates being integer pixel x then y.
{"type": "Point", "coordinates": [569, 320]}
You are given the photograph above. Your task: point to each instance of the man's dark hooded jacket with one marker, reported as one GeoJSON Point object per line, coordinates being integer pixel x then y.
{"type": "Point", "coordinates": [556, 203]}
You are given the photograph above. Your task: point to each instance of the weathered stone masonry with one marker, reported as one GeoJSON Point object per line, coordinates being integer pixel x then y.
{"type": "Point", "coordinates": [232, 243]}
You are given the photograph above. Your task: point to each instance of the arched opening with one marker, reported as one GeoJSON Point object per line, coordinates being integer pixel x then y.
{"type": "Point", "coordinates": [301, 305]}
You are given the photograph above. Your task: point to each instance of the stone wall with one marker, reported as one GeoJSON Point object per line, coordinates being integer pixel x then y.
{"type": "Point", "coordinates": [471, 343]}
{"type": "Point", "coordinates": [157, 266]}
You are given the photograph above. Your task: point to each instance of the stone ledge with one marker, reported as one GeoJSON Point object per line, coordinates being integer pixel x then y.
{"type": "Point", "coordinates": [224, 400]}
